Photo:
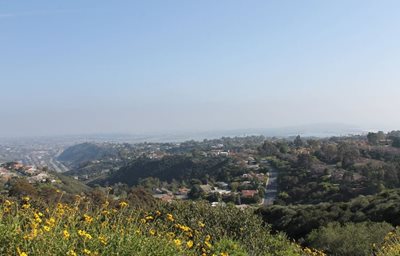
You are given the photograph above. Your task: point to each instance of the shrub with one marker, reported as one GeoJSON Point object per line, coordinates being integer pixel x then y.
{"type": "Point", "coordinates": [29, 227]}
{"type": "Point", "coordinates": [349, 239]}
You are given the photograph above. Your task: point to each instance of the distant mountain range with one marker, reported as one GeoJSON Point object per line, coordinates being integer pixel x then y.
{"type": "Point", "coordinates": [312, 130]}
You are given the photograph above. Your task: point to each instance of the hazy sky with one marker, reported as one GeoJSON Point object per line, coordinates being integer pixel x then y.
{"type": "Point", "coordinates": [90, 66]}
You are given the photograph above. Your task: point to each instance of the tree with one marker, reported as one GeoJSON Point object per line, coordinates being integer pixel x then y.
{"type": "Point", "coordinates": [298, 142]}
{"type": "Point", "coordinates": [268, 149]}
{"type": "Point", "coordinates": [195, 192]}
{"type": "Point", "coordinates": [381, 136]}
{"type": "Point", "coordinates": [304, 161]}
{"type": "Point", "coordinates": [328, 153]}
{"type": "Point", "coordinates": [373, 138]}
{"type": "Point", "coordinates": [396, 142]}
{"type": "Point", "coordinates": [234, 186]}
{"type": "Point", "coordinates": [283, 147]}
{"type": "Point", "coordinates": [348, 153]}
{"type": "Point", "coordinates": [314, 144]}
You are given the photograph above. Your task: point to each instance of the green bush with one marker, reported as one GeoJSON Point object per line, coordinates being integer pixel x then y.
{"type": "Point", "coordinates": [351, 239]}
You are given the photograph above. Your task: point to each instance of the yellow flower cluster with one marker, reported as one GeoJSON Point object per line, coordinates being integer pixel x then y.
{"type": "Point", "coordinates": [88, 219]}
{"type": "Point", "coordinates": [170, 217]}
{"type": "Point", "coordinates": [21, 253]}
{"type": "Point", "coordinates": [182, 236]}
{"type": "Point", "coordinates": [81, 229]}
{"type": "Point", "coordinates": [123, 204]}
{"type": "Point", "coordinates": [391, 244]}
{"type": "Point", "coordinates": [313, 252]}
{"type": "Point", "coordinates": [183, 227]}
{"type": "Point", "coordinates": [26, 204]}
{"type": "Point", "coordinates": [84, 234]}
{"type": "Point", "coordinates": [103, 239]}
{"type": "Point", "coordinates": [7, 206]}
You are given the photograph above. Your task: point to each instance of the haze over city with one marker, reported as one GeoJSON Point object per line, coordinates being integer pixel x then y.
{"type": "Point", "coordinates": [200, 127]}
{"type": "Point", "coordinates": [76, 67]}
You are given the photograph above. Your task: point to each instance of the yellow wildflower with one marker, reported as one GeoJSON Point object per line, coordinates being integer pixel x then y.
{"type": "Point", "coordinates": [51, 222]}
{"type": "Point", "coordinates": [84, 234]}
{"type": "Point", "coordinates": [7, 203]}
{"type": "Point", "coordinates": [177, 242]}
{"type": "Point", "coordinates": [183, 227]}
{"type": "Point", "coordinates": [106, 204]}
{"type": "Point", "coordinates": [88, 219]}
{"type": "Point", "coordinates": [103, 239]}
{"type": "Point", "coordinates": [189, 244]}
{"type": "Point", "coordinates": [21, 253]}
{"type": "Point", "coordinates": [26, 206]}
{"type": "Point", "coordinates": [170, 217]}
{"type": "Point", "coordinates": [123, 204]}
{"type": "Point", "coordinates": [37, 218]}
{"type": "Point", "coordinates": [86, 251]}
{"type": "Point", "coordinates": [71, 253]}
{"type": "Point", "coordinates": [66, 234]}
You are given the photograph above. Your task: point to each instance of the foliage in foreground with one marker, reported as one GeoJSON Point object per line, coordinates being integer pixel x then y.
{"type": "Point", "coordinates": [391, 245]}
{"type": "Point", "coordinates": [29, 227]}
{"type": "Point", "coordinates": [297, 221]}
{"type": "Point", "coordinates": [356, 239]}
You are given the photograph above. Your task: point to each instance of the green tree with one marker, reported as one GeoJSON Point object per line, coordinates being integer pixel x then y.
{"type": "Point", "coordinates": [348, 153]}
{"type": "Point", "coordinates": [268, 149]}
{"type": "Point", "coordinates": [298, 142]}
{"type": "Point", "coordinates": [372, 138]}
{"type": "Point", "coordinates": [283, 147]}
{"type": "Point", "coordinates": [195, 192]}
{"type": "Point", "coordinates": [234, 186]}
{"type": "Point", "coordinates": [396, 142]}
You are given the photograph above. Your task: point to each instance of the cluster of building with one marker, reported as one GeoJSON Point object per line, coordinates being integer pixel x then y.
{"type": "Point", "coordinates": [222, 189]}
{"type": "Point", "coordinates": [167, 195]}
{"type": "Point", "coordinates": [31, 173]}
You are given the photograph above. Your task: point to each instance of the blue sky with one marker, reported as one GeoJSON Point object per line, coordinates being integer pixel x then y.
{"type": "Point", "coordinates": [70, 67]}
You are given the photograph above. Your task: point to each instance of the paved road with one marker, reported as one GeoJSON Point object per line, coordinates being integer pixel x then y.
{"type": "Point", "coordinates": [57, 166]}
{"type": "Point", "coordinates": [271, 188]}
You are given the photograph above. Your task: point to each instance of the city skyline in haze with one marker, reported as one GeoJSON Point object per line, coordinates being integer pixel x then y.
{"type": "Point", "coordinates": [140, 67]}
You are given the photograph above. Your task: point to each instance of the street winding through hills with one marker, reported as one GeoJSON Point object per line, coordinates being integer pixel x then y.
{"type": "Point", "coordinates": [271, 187]}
